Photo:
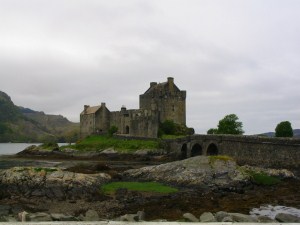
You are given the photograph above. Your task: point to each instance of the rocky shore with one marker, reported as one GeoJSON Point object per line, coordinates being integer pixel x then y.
{"type": "Point", "coordinates": [210, 189]}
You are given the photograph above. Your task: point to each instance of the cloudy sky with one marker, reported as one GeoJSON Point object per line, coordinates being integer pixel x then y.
{"type": "Point", "coordinates": [231, 56]}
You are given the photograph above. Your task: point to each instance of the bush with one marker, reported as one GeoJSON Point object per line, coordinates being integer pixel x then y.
{"type": "Point", "coordinates": [112, 130]}
{"type": "Point", "coordinates": [169, 127]}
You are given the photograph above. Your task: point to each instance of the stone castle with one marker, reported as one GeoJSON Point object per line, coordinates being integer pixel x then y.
{"type": "Point", "coordinates": [161, 102]}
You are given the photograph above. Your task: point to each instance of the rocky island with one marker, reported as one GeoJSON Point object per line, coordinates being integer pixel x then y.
{"type": "Point", "coordinates": [204, 188]}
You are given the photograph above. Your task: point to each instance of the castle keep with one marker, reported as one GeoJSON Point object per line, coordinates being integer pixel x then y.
{"type": "Point", "coordinates": [162, 101]}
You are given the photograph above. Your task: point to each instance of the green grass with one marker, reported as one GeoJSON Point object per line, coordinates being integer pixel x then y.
{"type": "Point", "coordinates": [96, 143]}
{"type": "Point", "coordinates": [48, 170]}
{"type": "Point", "coordinates": [138, 186]}
{"type": "Point", "coordinates": [169, 136]}
{"type": "Point", "coordinates": [213, 158]}
{"type": "Point", "coordinates": [262, 178]}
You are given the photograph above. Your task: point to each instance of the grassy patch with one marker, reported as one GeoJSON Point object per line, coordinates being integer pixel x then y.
{"type": "Point", "coordinates": [48, 170]}
{"type": "Point", "coordinates": [96, 143]}
{"type": "Point", "coordinates": [214, 158]}
{"type": "Point", "coordinates": [138, 186]}
{"type": "Point", "coordinates": [169, 136]}
{"type": "Point", "coordinates": [262, 178]}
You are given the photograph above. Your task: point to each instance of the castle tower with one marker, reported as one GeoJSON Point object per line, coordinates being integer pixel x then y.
{"type": "Point", "coordinates": [167, 99]}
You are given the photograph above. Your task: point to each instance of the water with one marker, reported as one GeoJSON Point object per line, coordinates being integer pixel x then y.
{"type": "Point", "coordinates": [271, 211]}
{"type": "Point", "coordinates": [13, 148]}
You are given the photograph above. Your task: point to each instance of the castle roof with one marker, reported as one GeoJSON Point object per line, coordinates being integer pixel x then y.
{"type": "Point", "coordinates": [156, 88]}
{"type": "Point", "coordinates": [91, 110]}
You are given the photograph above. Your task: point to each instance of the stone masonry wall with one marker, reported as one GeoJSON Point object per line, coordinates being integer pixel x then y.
{"type": "Point", "coordinates": [252, 150]}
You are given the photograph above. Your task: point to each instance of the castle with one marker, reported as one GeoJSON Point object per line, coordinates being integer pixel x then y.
{"type": "Point", "coordinates": [161, 102]}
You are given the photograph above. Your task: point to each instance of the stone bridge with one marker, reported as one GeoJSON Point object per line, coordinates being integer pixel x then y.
{"type": "Point", "coordinates": [252, 150]}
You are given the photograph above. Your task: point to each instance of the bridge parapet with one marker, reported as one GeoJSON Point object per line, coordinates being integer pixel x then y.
{"type": "Point", "coordinates": [252, 150]}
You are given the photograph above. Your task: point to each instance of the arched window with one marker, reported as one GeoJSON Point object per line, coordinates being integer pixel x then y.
{"type": "Point", "coordinates": [127, 130]}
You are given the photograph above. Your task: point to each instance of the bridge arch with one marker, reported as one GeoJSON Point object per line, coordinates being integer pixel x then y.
{"type": "Point", "coordinates": [196, 150]}
{"type": "Point", "coordinates": [184, 151]}
{"type": "Point", "coordinates": [212, 149]}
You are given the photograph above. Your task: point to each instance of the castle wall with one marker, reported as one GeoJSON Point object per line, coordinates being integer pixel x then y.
{"type": "Point", "coordinates": [140, 123]}
{"type": "Point", "coordinates": [102, 118]}
{"type": "Point", "coordinates": [87, 124]}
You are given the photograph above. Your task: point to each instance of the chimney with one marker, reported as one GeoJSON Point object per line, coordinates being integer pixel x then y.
{"type": "Point", "coordinates": [103, 104]}
{"type": "Point", "coordinates": [123, 108]}
{"type": "Point", "coordinates": [86, 107]}
{"type": "Point", "coordinates": [153, 84]}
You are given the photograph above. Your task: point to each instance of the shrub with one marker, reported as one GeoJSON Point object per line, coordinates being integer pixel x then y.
{"type": "Point", "coordinates": [112, 130]}
{"type": "Point", "coordinates": [138, 186]}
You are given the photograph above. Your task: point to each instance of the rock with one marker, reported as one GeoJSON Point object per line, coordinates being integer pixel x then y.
{"type": "Point", "coordinates": [130, 218]}
{"type": "Point", "coordinates": [227, 219]}
{"type": "Point", "coordinates": [91, 215]}
{"type": "Point", "coordinates": [38, 217]}
{"type": "Point", "coordinates": [52, 183]}
{"type": "Point", "coordinates": [287, 218]}
{"type": "Point", "coordinates": [221, 215]}
{"type": "Point", "coordinates": [22, 216]}
{"type": "Point", "coordinates": [265, 219]}
{"type": "Point", "coordinates": [207, 217]}
{"type": "Point", "coordinates": [190, 217]}
{"type": "Point", "coordinates": [193, 171]}
{"type": "Point", "coordinates": [238, 217]}
{"type": "Point", "coordinates": [62, 217]}
{"type": "Point", "coordinates": [109, 151]}
{"type": "Point", "coordinates": [141, 215]}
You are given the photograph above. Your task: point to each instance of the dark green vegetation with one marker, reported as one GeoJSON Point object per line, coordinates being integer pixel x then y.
{"type": "Point", "coordinates": [228, 125]}
{"type": "Point", "coordinates": [284, 129]}
{"type": "Point", "coordinates": [138, 186]}
{"type": "Point", "coordinates": [98, 143]}
{"type": "Point", "coordinates": [168, 127]}
{"type": "Point", "coordinates": [261, 178]}
{"type": "Point", "coordinates": [18, 124]}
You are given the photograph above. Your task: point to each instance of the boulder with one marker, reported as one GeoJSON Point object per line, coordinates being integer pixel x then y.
{"type": "Point", "coordinates": [287, 218]}
{"type": "Point", "coordinates": [238, 217]}
{"type": "Point", "coordinates": [141, 215]}
{"type": "Point", "coordinates": [199, 170]}
{"type": "Point", "coordinates": [130, 218]}
{"type": "Point", "coordinates": [62, 217]}
{"type": "Point", "coordinates": [221, 215]}
{"type": "Point", "coordinates": [38, 217]}
{"type": "Point", "coordinates": [91, 215]}
{"type": "Point", "coordinates": [52, 183]}
{"type": "Point", "coordinates": [265, 219]}
{"type": "Point", "coordinates": [190, 217]}
{"type": "Point", "coordinates": [207, 217]}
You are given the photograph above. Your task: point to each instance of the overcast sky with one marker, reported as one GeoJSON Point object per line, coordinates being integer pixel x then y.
{"type": "Point", "coordinates": [231, 56]}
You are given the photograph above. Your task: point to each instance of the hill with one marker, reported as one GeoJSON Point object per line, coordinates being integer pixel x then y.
{"type": "Point", "coordinates": [19, 124]}
{"type": "Point", "coordinates": [272, 134]}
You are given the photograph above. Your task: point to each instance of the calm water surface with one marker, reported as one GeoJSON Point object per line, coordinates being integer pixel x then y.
{"type": "Point", "coordinates": [13, 148]}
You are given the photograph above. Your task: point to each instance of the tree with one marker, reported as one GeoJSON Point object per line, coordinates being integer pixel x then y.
{"type": "Point", "coordinates": [284, 129]}
{"type": "Point", "coordinates": [212, 131]}
{"type": "Point", "coordinates": [230, 125]}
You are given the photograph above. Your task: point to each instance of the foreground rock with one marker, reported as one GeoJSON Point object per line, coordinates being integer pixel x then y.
{"type": "Point", "coordinates": [211, 172]}
{"type": "Point", "coordinates": [200, 170]}
{"type": "Point", "coordinates": [51, 183]}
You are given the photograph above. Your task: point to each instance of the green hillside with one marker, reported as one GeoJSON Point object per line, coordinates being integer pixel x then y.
{"type": "Point", "coordinates": [18, 124]}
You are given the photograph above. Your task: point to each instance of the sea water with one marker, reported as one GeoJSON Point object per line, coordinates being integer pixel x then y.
{"type": "Point", "coordinates": [13, 148]}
